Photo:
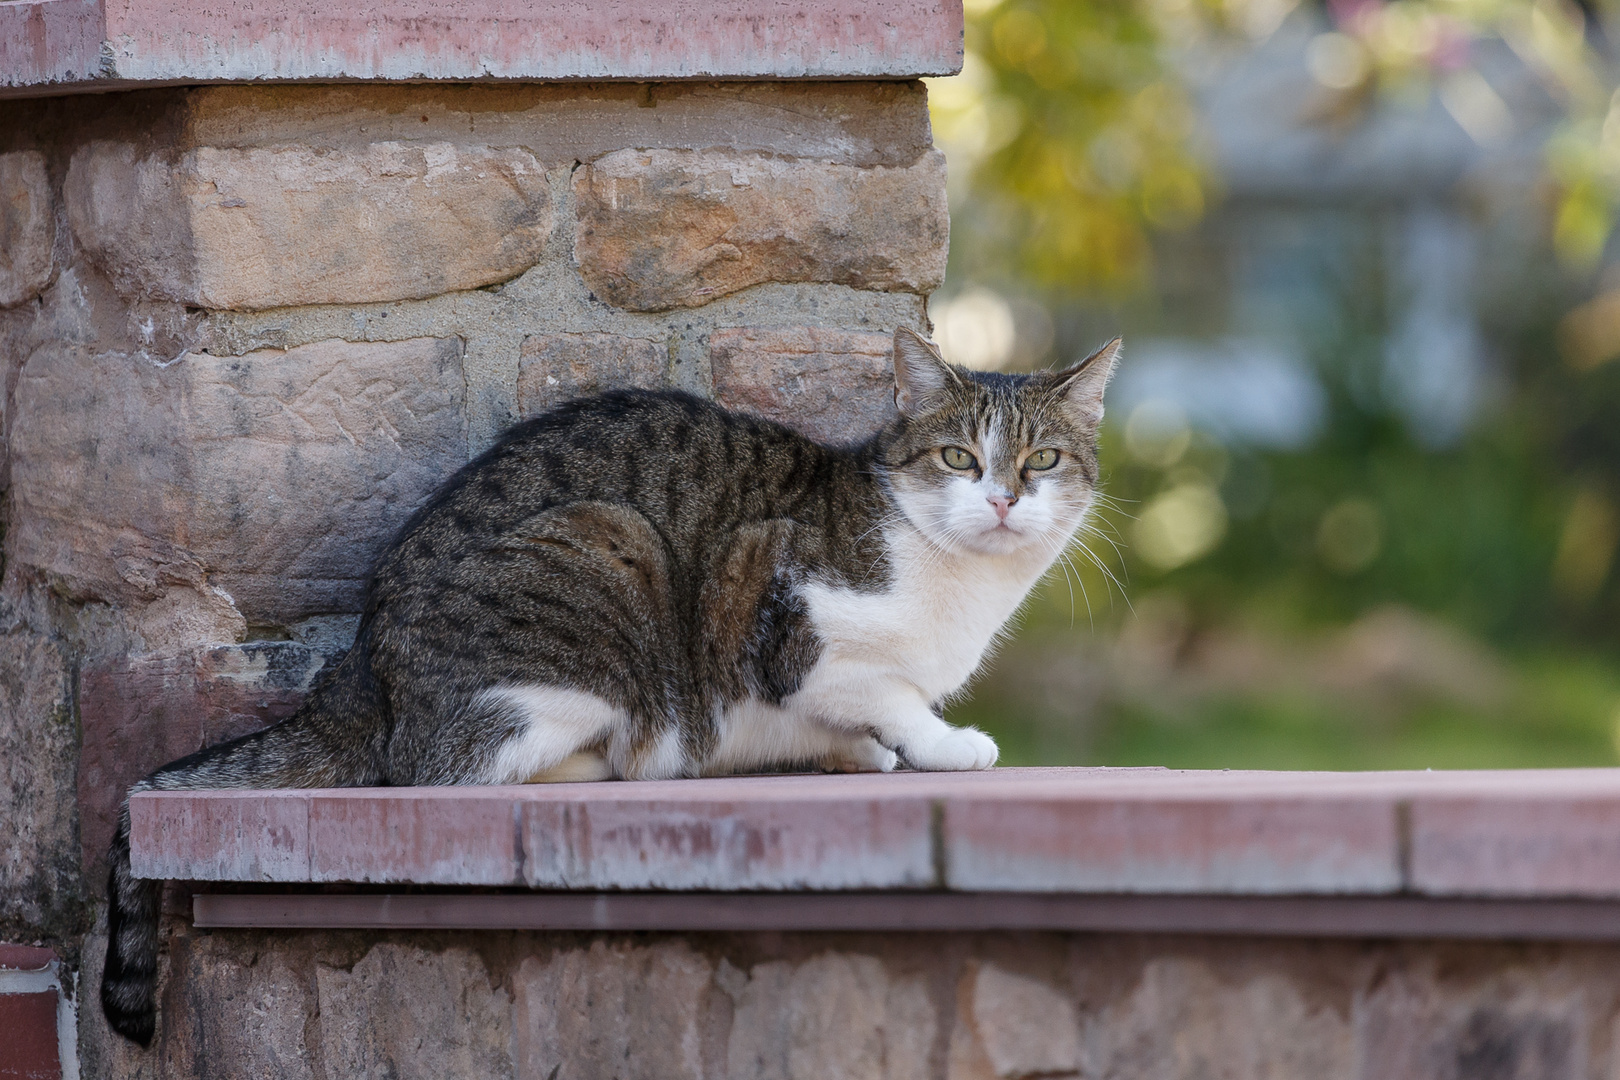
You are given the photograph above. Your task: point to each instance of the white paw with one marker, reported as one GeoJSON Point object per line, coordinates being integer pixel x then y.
{"type": "Point", "coordinates": [957, 750]}
{"type": "Point", "coordinates": [861, 755]}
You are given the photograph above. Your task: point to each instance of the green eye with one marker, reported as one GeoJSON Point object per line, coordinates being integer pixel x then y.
{"type": "Point", "coordinates": [958, 458]}
{"type": "Point", "coordinates": [1041, 459]}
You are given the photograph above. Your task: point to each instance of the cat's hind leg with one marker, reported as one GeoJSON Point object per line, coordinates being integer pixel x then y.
{"type": "Point", "coordinates": [555, 734]}
{"type": "Point", "coordinates": [558, 638]}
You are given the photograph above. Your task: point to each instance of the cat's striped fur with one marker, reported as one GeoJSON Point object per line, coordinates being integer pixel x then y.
{"type": "Point", "coordinates": [644, 585]}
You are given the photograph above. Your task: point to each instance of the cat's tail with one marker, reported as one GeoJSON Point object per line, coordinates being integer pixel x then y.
{"type": "Point", "coordinates": [334, 740]}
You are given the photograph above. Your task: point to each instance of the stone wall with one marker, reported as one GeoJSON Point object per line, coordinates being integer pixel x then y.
{"type": "Point", "coordinates": [897, 1007]}
{"type": "Point", "coordinates": [244, 331]}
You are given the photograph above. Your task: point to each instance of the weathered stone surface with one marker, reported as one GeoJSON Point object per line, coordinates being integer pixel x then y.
{"type": "Point", "coordinates": [555, 367]}
{"type": "Point", "coordinates": [140, 712]}
{"type": "Point", "coordinates": [102, 1053]}
{"type": "Point", "coordinates": [227, 1011]}
{"type": "Point", "coordinates": [833, 1017]}
{"type": "Point", "coordinates": [836, 386]}
{"type": "Point", "coordinates": [403, 1012]}
{"type": "Point", "coordinates": [1182, 1021]}
{"type": "Point", "coordinates": [852, 123]}
{"type": "Point", "coordinates": [230, 1007]}
{"type": "Point", "coordinates": [614, 1010]}
{"type": "Point", "coordinates": [185, 617]}
{"type": "Point", "coordinates": [1514, 1023]}
{"type": "Point", "coordinates": [783, 1005]}
{"type": "Point", "coordinates": [177, 41]}
{"type": "Point", "coordinates": [39, 880]}
{"type": "Point", "coordinates": [1024, 1028]}
{"type": "Point", "coordinates": [275, 476]}
{"type": "Point", "coordinates": [660, 229]}
{"type": "Point", "coordinates": [27, 226]}
{"type": "Point", "coordinates": [262, 227]}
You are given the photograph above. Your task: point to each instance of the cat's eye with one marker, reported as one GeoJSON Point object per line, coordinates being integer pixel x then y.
{"type": "Point", "coordinates": [1041, 459]}
{"type": "Point", "coordinates": [958, 458]}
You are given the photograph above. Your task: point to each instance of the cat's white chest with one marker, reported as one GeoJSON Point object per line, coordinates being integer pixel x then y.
{"type": "Point", "coordinates": [882, 653]}
{"type": "Point", "coordinates": [932, 625]}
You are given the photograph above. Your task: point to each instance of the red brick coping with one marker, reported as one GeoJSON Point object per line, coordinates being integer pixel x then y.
{"type": "Point", "coordinates": [35, 1035]}
{"type": "Point", "coordinates": [48, 46]}
{"type": "Point", "coordinates": [1533, 853]}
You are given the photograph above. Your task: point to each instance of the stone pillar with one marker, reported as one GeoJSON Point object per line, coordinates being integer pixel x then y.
{"type": "Point", "coordinates": [246, 328]}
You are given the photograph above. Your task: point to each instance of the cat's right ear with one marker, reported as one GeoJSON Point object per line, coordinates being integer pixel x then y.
{"type": "Point", "coordinates": [920, 373]}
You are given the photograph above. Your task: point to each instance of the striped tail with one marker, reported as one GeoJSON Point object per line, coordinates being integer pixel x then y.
{"type": "Point", "coordinates": [334, 740]}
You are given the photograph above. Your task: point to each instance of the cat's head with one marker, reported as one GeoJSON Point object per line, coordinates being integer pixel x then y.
{"type": "Point", "coordinates": [992, 463]}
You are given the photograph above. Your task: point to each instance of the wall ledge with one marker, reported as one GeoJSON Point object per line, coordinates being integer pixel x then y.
{"type": "Point", "coordinates": [1530, 835]}
{"type": "Point", "coordinates": [61, 46]}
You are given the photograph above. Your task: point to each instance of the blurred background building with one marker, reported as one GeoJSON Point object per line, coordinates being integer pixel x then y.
{"type": "Point", "coordinates": [1362, 461]}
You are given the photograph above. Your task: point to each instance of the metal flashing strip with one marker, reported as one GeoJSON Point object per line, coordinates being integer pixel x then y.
{"type": "Point", "coordinates": [1293, 916]}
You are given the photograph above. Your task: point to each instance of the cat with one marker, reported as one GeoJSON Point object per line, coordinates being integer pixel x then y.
{"type": "Point", "coordinates": [643, 585]}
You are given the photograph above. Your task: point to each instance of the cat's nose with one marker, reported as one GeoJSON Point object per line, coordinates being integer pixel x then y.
{"type": "Point", "coordinates": [1003, 505]}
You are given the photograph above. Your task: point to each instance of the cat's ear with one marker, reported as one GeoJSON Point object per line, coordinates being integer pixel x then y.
{"type": "Point", "coordinates": [920, 372]}
{"type": "Point", "coordinates": [1083, 384]}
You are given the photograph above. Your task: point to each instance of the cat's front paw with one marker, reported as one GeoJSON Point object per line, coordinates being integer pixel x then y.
{"type": "Point", "coordinates": [958, 750]}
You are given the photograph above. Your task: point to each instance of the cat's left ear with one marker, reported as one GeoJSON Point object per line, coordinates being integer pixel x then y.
{"type": "Point", "coordinates": [1083, 384]}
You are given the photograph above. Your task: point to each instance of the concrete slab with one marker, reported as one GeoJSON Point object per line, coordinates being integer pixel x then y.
{"type": "Point", "coordinates": [53, 46]}
{"type": "Point", "coordinates": [1535, 834]}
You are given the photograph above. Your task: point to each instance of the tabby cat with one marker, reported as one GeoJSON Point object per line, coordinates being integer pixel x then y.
{"type": "Point", "coordinates": [643, 585]}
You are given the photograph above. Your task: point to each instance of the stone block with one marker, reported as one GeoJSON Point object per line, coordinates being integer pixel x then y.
{"type": "Point", "coordinates": [39, 746]}
{"type": "Point", "coordinates": [210, 838]}
{"type": "Point", "coordinates": [1182, 1021]}
{"type": "Point", "coordinates": [444, 835]}
{"type": "Point", "coordinates": [403, 1013]}
{"type": "Point", "coordinates": [1506, 846]}
{"type": "Point", "coordinates": [1415, 1024]}
{"type": "Point", "coordinates": [648, 835]}
{"type": "Point", "coordinates": [661, 229]}
{"type": "Point", "coordinates": [1024, 1026]}
{"type": "Point", "coordinates": [833, 1017]}
{"type": "Point", "coordinates": [552, 368]}
{"type": "Point", "coordinates": [140, 712]}
{"type": "Point", "coordinates": [229, 1009]}
{"type": "Point", "coordinates": [613, 1010]}
{"type": "Point", "coordinates": [277, 476]}
{"type": "Point", "coordinates": [836, 386]}
{"type": "Point", "coordinates": [262, 227]}
{"type": "Point", "coordinates": [27, 226]}
{"type": "Point", "coordinates": [852, 123]}
{"type": "Point", "coordinates": [1254, 842]}
{"type": "Point", "coordinates": [643, 838]}
{"type": "Point", "coordinates": [162, 42]}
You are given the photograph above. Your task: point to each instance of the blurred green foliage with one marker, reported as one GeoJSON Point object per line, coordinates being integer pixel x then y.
{"type": "Point", "coordinates": [1369, 600]}
{"type": "Point", "coordinates": [1077, 139]}
{"type": "Point", "coordinates": [1472, 618]}
{"type": "Point", "coordinates": [1072, 137]}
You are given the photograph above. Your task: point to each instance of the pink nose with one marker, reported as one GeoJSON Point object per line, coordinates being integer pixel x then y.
{"type": "Point", "coordinates": [1003, 505]}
